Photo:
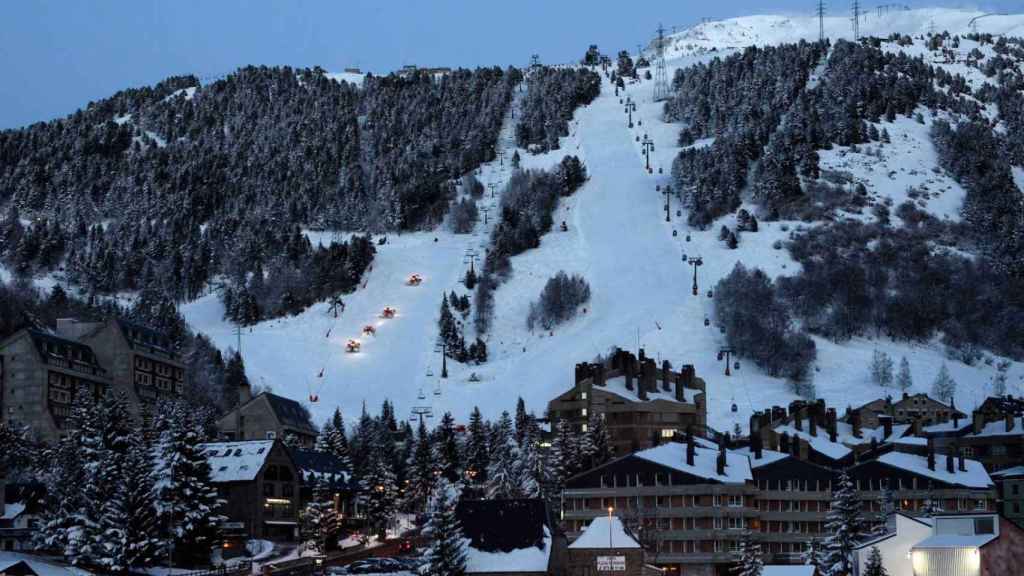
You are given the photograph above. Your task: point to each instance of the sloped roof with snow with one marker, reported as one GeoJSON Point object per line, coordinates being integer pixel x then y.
{"type": "Point", "coordinates": [505, 535]}
{"type": "Point", "coordinates": [954, 541]}
{"type": "Point", "coordinates": [820, 443]}
{"type": "Point", "coordinates": [617, 386]}
{"type": "Point", "coordinates": [948, 426]}
{"type": "Point", "coordinates": [767, 456]}
{"type": "Point", "coordinates": [998, 428]}
{"type": "Point", "coordinates": [530, 559]}
{"type": "Point", "coordinates": [1008, 472]}
{"type": "Point", "coordinates": [781, 570]}
{"type": "Point", "coordinates": [604, 533]}
{"type": "Point", "coordinates": [236, 461]}
{"type": "Point", "coordinates": [974, 477]}
{"type": "Point", "coordinates": [673, 455]}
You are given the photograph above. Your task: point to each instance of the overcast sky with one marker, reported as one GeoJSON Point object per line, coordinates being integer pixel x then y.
{"type": "Point", "coordinates": [57, 56]}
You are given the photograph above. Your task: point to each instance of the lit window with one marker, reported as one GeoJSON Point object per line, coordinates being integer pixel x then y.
{"type": "Point", "coordinates": [584, 428]}
{"type": "Point", "coordinates": [667, 433]}
{"type": "Point", "coordinates": [583, 411]}
{"type": "Point", "coordinates": [583, 395]}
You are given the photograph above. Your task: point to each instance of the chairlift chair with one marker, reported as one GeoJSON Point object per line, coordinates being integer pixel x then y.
{"type": "Point", "coordinates": [707, 321]}
{"type": "Point", "coordinates": [313, 398]}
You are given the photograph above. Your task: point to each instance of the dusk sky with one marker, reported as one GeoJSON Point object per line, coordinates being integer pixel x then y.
{"type": "Point", "coordinates": [57, 56]}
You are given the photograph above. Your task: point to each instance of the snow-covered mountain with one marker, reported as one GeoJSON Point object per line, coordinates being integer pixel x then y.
{"type": "Point", "coordinates": [618, 239]}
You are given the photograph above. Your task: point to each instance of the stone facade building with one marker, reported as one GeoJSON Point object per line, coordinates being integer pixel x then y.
{"type": "Point", "coordinates": [41, 377]}
{"type": "Point", "coordinates": [641, 404]}
{"type": "Point", "coordinates": [266, 417]}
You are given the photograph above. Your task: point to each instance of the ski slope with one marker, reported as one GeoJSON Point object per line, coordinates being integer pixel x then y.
{"type": "Point", "coordinates": [619, 241]}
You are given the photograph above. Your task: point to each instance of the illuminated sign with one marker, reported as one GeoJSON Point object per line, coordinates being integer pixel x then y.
{"type": "Point", "coordinates": [611, 563]}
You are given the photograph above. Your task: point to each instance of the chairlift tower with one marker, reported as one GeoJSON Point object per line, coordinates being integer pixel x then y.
{"type": "Point", "coordinates": [856, 20]}
{"type": "Point", "coordinates": [660, 73]}
{"type": "Point", "coordinates": [821, 20]}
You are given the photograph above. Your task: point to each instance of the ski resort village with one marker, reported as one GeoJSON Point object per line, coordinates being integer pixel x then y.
{"type": "Point", "coordinates": [745, 298]}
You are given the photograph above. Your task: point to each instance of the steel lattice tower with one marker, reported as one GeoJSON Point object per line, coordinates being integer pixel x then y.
{"type": "Point", "coordinates": [856, 20]}
{"type": "Point", "coordinates": [660, 73]}
{"type": "Point", "coordinates": [821, 20]}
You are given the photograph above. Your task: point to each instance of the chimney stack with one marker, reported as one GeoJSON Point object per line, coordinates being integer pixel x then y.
{"type": "Point", "coordinates": [795, 445]}
{"type": "Point", "coordinates": [886, 422]}
{"type": "Point", "coordinates": [963, 465]}
{"type": "Point", "coordinates": [1009, 421]}
{"type": "Point", "coordinates": [666, 376]}
{"type": "Point", "coordinates": [691, 449]}
{"type": "Point", "coordinates": [756, 445]}
{"type": "Point", "coordinates": [720, 461]}
{"type": "Point", "coordinates": [931, 456]}
{"type": "Point", "coordinates": [650, 368]}
{"type": "Point", "coordinates": [949, 461]}
{"type": "Point", "coordinates": [784, 443]}
{"type": "Point", "coordinates": [979, 422]}
{"type": "Point", "coordinates": [244, 392]}
{"type": "Point", "coordinates": [686, 375]}
{"type": "Point", "coordinates": [812, 423]}
{"type": "Point", "coordinates": [598, 371]}
{"type": "Point", "coordinates": [642, 386]}
{"type": "Point", "coordinates": [627, 370]}
{"type": "Point", "coordinates": [855, 421]}
{"type": "Point", "coordinates": [798, 420]}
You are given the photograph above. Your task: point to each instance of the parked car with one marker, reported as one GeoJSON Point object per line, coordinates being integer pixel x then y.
{"type": "Point", "coordinates": [373, 566]}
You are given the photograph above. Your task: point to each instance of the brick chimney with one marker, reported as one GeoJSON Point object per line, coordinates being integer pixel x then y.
{"type": "Point", "coordinates": [627, 370]}
{"type": "Point", "coordinates": [962, 464]}
{"type": "Point", "coordinates": [666, 376]}
{"type": "Point", "coordinates": [650, 368]}
{"type": "Point", "coordinates": [956, 420]}
{"type": "Point", "coordinates": [978, 423]}
{"type": "Point", "coordinates": [756, 445]}
{"type": "Point", "coordinates": [642, 386]}
{"type": "Point", "coordinates": [931, 456]}
{"type": "Point", "coordinates": [949, 462]}
{"type": "Point", "coordinates": [599, 376]}
{"type": "Point", "coordinates": [686, 376]}
{"type": "Point", "coordinates": [720, 461]}
{"type": "Point", "coordinates": [691, 450]}
{"type": "Point", "coordinates": [1009, 422]}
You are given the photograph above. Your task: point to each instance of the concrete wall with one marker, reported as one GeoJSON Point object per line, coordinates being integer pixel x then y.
{"type": "Point", "coordinates": [583, 562]}
{"type": "Point", "coordinates": [895, 550]}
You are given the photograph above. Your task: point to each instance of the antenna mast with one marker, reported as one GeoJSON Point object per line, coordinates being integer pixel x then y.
{"type": "Point", "coordinates": [660, 74]}
{"type": "Point", "coordinates": [856, 20]}
{"type": "Point", "coordinates": [821, 20]}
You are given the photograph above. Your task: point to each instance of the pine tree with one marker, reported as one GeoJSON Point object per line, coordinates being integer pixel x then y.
{"type": "Point", "coordinates": [381, 497]}
{"type": "Point", "coordinates": [522, 420]}
{"type": "Point", "coordinates": [319, 521]}
{"type": "Point", "coordinates": [534, 468]}
{"type": "Point", "coordinates": [750, 563]}
{"type": "Point", "coordinates": [874, 566]}
{"type": "Point", "coordinates": [843, 524]}
{"type": "Point", "coordinates": [564, 450]}
{"type": "Point", "coordinates": [446, 449]}
{"type": "Point", "coordinates": [338, 440]}
{"type": "Point", "coordinates": [130, 530]}
{"type": "Point", "coordinates": [903, 379]}
{"type": "Point", "coordinates": [944, 387]}
{"type": "Point", "coordinates": [599, 441]}
{"type": "Point", "coordinates": [478, 456]}
{"type": "Point", "coordinates": [505, 472]}
{"type": "Point", "coordinates": [186, 501]}
{"type": "Point", "coordinates": [421, 474]}
{"type": "Point", "coordinates": [881, 369]}
{"type": "Point", "coordinates": [447, 553]}
{"type": "Point", "coordinates": [812, 555]}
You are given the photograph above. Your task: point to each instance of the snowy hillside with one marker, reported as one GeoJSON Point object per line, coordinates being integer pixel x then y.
{"type": "Point", "coordinates": [763, 30]}
{"type": "Point", "coordinates": [619, 241]}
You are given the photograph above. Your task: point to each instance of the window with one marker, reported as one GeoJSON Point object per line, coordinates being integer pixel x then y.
{"type": "Point", "coordinates": [583, 395]}
{"type": "Point", "coordinates": [998, 450]}
{"type": "Point", "coordinates": [718, 545]}
{"type": "Point", "coordinates": [981, 505]}
{"type": "Point", "coordinates": [718, 523]}
{"type": "Point", "coordinates": [735, 501]}
{"type": "Point", "coordinates": [984, 526]}
{"type": "Point", "coordinates": [736, 524]}
{"type": "Point", "coordinates": [716, 500]}
{"type": "Point", "coordinates": [583, 428]}
{"type": "Point", "coordinates": [968, 452]}
{"type": "Point", "coordinates": [667, 433]}
{"type": "Point", "coordinates": [271, 435]}
{"type": "Point", "coordinates": [287, 490]}
{"type": "Point", "coordinates": [734, 546]}
{"type": "Point", "coordinates": [268, 489]}
{"type": "Point", "coordinates": [583, 412]}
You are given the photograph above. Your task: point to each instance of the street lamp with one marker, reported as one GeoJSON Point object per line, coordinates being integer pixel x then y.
{"type": "Point", "coordinates": [610, 509]}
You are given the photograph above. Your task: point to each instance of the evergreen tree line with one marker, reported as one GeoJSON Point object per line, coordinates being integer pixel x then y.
{"type": "Point", "coordinates": [527, 208]}
{"type": "Point", "coordinates": [162, 187]}
{"type": "Point", "coordinates": [559, 300]}
{"type": "Point", "coordinates": [869, 279]}
{"type": "Point", "coordinates": [552, 95]}
{"type": "Point", "coordinates": [768, 121]}
{"type": "Point", "coordinates": [451, 330]}
{"type": "Point", "coordinates": [295, 279]}
{"type": "Point", "coordinates": [119, 497]}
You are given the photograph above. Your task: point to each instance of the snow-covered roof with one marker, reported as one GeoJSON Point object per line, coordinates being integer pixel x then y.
{"type": "Point", "coordinates": [236, 461]}
{"type": "Point", "coordinates": [767, 456]}
{"type": "Point", "coordinates": [998, 428]}
{"type": "Point", "coordinates": [605, 533]}
{"type": "Point", "coordinates": [974, 477]}
{"type": "Point", "coordinates": [529, 559]}
{"type": "Point", "coordinates": [820, 443]}
{"type": "Point", "coordinates": [43, 568]}
{"type": "Point", "coordinates": [673, 455]}
{"type": "Point", "coordinates": [782, 570]}
{"type": "Point", "coordinates": [948, 426]}
{"type": "Point", "coordinates": [12, 510]}
{"type": "Point", "coordinates": [911, 441]}
{"type": "Point", "coordinates": [1015, 471]}
{"type": "Point", "coordinates": [955, 541]}
{"type": "Point", "coordinates": [617, 386]}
